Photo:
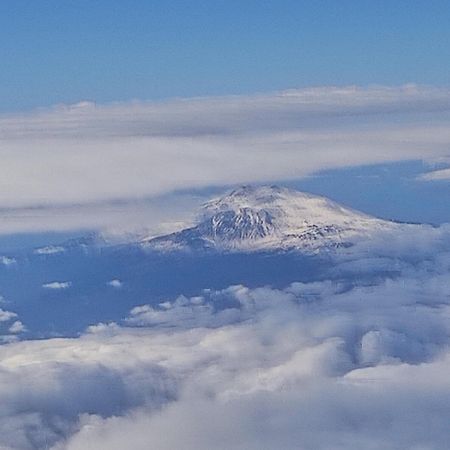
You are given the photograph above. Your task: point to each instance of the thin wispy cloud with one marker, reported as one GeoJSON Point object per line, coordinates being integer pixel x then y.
{"type": "Point", "coordinates": [436, 175]}
{"type": "Point", "coordinates": [56, 285]}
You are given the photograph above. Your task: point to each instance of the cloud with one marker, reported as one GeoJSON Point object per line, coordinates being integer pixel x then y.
{"type": "Point", "coordinates": [400, 412]}
{"type": "Point", "coordinates": [115, 283]}
{"type": "Point", "coordinates": [17, 327]}
{"type": "Point", "coordinates": [154, 216]}
{"type": "Point", "coordinates": [436, 175]}
{"type": "Point", "coordinates": [41, 402]}
{"type": "Point", "coordinates": [73, 157]}
{"type": "Point", "coordinates": [7, 261]}
{"type": "Point", "coordinates": [6, 316]}
{"type": "Point", "coordinates": [362, 362]}
{"type": "Point", "coordinates": [10, 327]}
{"type": "Point", "coordinates": [364, 367]}
{"type": "Point", "coordinates": [49, 250]}
{"type": "Point", "coordinates": [57, 285]}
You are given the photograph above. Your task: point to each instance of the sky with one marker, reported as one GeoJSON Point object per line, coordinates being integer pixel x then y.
{"type": "Point", "coordinates": [67, 51]}
{"type": "Point", "coordinates": [121, 118]}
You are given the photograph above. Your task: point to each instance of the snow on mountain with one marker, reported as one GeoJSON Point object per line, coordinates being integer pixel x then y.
{"type": "Point", "coordinates": [270, 218]}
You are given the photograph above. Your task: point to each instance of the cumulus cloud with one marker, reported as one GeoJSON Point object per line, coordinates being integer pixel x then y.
{"type": "Point", "coordinates": [349, 368]}
{"type": "Point", "coordinates": [7, 260]}
{"type": "Point", "coordinates": [17, 327]}
{"type": "Point", "coordinates": [10, 326]}
{"type": "Point", "coordinates": [115, 283]}
{"type": "Point", "coordinates": [358, 362]}
{"type": "Point", "coordinates": [92, 154]}
{"type": "Point", "coordinates": [5, 316]}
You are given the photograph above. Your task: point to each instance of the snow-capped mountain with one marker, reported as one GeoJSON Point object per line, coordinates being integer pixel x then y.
{"type": "Point", "coordinates": [268, 218]}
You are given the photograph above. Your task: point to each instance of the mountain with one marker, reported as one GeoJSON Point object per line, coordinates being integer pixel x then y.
{"type": "Point", "coordinates": [253, 236]}
{"type": "Point", "coordinates": [271, 218]}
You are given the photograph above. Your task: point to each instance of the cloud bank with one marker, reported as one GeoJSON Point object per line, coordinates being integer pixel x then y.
{"type": "Point", "coordinates": [362, 362]}
{"type": "Point", "coordinates": [92, 155]}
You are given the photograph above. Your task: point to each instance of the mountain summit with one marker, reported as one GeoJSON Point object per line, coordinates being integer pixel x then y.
{"type": "Point", "coordinates": [270, 218]}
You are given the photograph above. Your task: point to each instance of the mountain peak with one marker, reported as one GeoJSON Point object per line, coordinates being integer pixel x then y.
{"type": "Point", "coordinates": [248, 189]}
{"type": "Point", "coordinates": [254, 196]}
{"type": "Point", "coordinates": [255, 218]}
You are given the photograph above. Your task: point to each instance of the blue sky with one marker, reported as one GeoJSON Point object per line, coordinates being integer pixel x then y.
{"type": "Point", "coordinates": [67, 51]}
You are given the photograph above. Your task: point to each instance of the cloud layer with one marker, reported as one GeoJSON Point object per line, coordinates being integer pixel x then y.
{"type": "Point", "coordinates": [362, 362]}
{"type": "Point", "coordinates": [88, 155]}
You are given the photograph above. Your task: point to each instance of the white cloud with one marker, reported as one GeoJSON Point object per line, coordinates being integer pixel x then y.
{"type": "Point", "coordinates": [8, 330]}
{"type": "Point", "coordinates": [17, 327]}
{"type": "Point", "coordinates": [57, 285]}
{"type": "Point", "coordinates": [115, 283]}
{"type": "Point", "coordinates": [49, 250]}
{"type": "Point", "coordinates": [7, 260]}
{"type": "Point", "coordinates": [6, 316]}
{"type": "Point", "coordinates": [95, 154]}
{"type": "Point", "coordinates": [436, 175]}
{"type": "Point", "coordinates": [158, 215]}
{"type": "Point", "coordinates": [362, 362]}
